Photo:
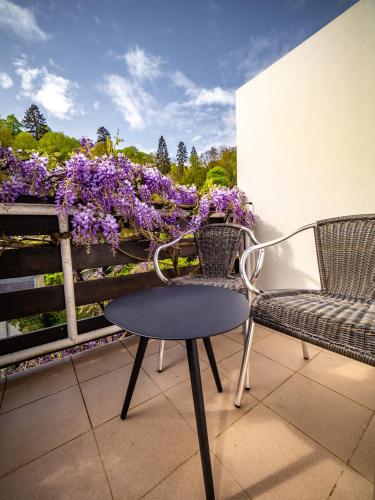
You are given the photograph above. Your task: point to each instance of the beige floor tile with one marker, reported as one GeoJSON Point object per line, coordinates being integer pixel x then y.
{"type": "Point", "coordinates": [352, 486]}
{"type": "Point", "coordinates": [175, 370]}
{"type": "Point", "coordinates": [29, 385]}
{"type": "Point", "coordinates": [94, 362]}
{"type": "Point", "coordinates": [73, 471]}
{"type": "Point", "coordinates": [265, 374]}
{"type": "Point", "coordinates": [333, 420]}
{"type": "Point", "coordinates": [131, 343]}
{"type": "Point", "coordinates": [141, 451]}
{"type": "Point", "coordinates": [364, 456]}
{"type": "Point", "coordinates": [346, 376]}
{"type": "Point", "coordinates": [222, 346]}
{"type": "Point", "coordinates": [220, 409]}
{"type": "Point", "coordinates": [104, 395]}
{"type": "Point", "coordinates": [28, 432]}
{"type": "Point", "coordinates": [235, 335]}
{"type": "Point", "coordinates": [273, 460]}
{"type": "Point", "coordinates": [260, 333]}
{"type": "Point", "coordinates": [187, 483]}
{"type": "Point", "coordinates": [284, 350]}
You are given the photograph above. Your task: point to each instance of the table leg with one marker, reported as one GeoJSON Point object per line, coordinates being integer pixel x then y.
{"type": "Point", "coordinates": [143, 341]}
{"type": "Point", "coordinates": [212, 360]}
{"type": "Point", "coordinates": [200, 416]}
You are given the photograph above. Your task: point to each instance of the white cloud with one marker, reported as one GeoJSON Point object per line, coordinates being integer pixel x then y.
{"type": "Point", "coordinates": [5, 81]}
{"type": "Point", "coordinates": [21, 21]}
{"type": "Point", "coordinates": [203, 116]}
{"type": "Point", "coordinates": [96, 105]}
{"type": "Point", "coordinates": [53, 92]}
{"type": "Point", "coordinates": [134, 103]}
{"type": "Point", "coordinates": [142, 66]}
{"type": "Point", "coordinates": [200, 96]}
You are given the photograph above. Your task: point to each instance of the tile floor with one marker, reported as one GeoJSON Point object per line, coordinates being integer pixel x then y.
{"type": "Point", "coordinates": [305, 430]}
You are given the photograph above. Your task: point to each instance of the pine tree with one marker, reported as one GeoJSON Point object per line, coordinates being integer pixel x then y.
{"type": "Point", "coordinates": [181, 158]}
{"type": "Point", "coordinates": [34, 122]}
{"type": "Point", "coordinates": [103, 134]}
{"type": "Point", "coordinates": [194, 159]}
{"type": "Point", "coordinates": [163, 162]}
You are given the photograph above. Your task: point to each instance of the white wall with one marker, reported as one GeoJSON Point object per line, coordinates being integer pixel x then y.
{"type": "Point", "coordinates": [306, 140]}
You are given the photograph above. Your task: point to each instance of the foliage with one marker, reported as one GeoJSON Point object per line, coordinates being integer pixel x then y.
{"type": "Point", "coordinates": [58, 145]}
{"type": "Point", "coordinates": [25, 141]}
{"type": "Point", "coordinates": [12, 124]}
{"type": "Point", "coordinates": [110, 192]}
{"type": "Point", "coordinates": [34, 122]}
{"type": "Point", "coordinates": [136, 156]}
{"type": "Point", "coordinates": [218, 177]}
{"type": "Point", "coordinates": [103, 134]}
{"type": "Point", "coordinates": [181, 158]}
{"type": "Point", "coordinates": [162, 159]}
{"type": "Point", "coordinates": [6, 137]}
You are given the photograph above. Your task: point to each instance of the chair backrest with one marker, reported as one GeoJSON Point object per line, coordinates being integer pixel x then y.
{"type": "Point", "coordinates": [217, 246]}
{"type": "Point", "coordinates": [346, 256]}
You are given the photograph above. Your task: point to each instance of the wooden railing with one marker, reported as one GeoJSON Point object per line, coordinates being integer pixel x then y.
{"type": "Point", "coordinates": [25, 219]}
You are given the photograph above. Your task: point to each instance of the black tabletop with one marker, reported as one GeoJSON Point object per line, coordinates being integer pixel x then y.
{"type": "Point", "coordinates": [179, 312]}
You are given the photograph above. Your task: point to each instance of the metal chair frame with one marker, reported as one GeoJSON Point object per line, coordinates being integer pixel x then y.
{"type": "Point", "coordinates": [360, 241]}
{"type": "Point", "coordinates": [248, 237]}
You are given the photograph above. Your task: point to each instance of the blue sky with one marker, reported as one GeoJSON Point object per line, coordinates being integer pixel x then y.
{"type": "Point", "coordinates": [146, 67]}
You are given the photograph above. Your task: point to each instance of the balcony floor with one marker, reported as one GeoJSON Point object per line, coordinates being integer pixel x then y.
{"type": "Point", "coordinates": [305, 430]}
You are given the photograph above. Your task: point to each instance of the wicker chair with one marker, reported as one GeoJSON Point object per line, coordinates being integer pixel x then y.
{"type": "Point", "coordinates": [339, 317]}
{"type": "Point", "coordinates": [218, 245]}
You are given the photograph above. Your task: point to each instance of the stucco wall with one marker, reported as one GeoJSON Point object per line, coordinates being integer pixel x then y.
{"type": "Point", "coordinates": [306, 140]}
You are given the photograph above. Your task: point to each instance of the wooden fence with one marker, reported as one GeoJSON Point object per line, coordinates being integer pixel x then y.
{"type": "Point", "coordinates": [38, 219]}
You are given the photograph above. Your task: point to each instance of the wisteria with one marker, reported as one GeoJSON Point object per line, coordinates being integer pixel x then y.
{"type": "Point", "coordinates": [106, 194]}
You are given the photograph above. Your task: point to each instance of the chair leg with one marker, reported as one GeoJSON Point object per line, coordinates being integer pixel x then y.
{"type": "Point", "coordinates": [305, 350]}
{"type": "Point", "coordinates": [245, 329]}
{"type": "Point", "coordinates": [245, 363]}
{"type": "Point", "coordinates": [161, 355]}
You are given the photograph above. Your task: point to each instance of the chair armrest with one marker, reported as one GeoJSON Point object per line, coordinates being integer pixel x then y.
{"type": "Point", "coordinates": [260, 259]}
{"type": "Point", "coordinates": [260, 248]}
{"type": "Point", "coordinates": [160, 275]}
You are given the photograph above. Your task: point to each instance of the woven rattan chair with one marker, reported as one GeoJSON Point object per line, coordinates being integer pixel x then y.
{"type": "Point", "coordinates": [218, 245]}
{"type": "Point", "coordinates": [339, 317]}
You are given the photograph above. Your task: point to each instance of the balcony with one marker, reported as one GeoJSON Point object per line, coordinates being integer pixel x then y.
{"type": "Point", "coordinates": [305, 430]}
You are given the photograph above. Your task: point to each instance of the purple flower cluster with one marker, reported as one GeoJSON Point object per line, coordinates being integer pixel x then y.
{"type": "Point", "coordinates": [105, 193]}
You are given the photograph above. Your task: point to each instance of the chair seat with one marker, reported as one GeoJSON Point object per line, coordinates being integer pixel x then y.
{"type": "Point", "coordinates": [233, 283]}
{"type": "Point", "coordinates": [340, 324]}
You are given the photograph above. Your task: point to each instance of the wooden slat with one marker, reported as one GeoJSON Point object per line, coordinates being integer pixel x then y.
{"type": "Point", "coordinates": [30, 261]}
{"type": "Point", "coordinates": [88, 292]}
{"type": "Point", "coordinates": [33, 261]}
{"type": "Point", "coordinates": [27, 302]}
{"type": "Point", "coordinates": [51, 334]}
{"type": "Point", "coordinates": [46, 299]}
{"type": "Point", "coordinates": [20, 225]}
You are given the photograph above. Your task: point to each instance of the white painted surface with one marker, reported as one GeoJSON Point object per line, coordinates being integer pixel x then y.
{"type": "Point", "coordinates": [306, 141]}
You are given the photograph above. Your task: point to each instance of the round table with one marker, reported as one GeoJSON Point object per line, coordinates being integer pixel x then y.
{"type": "Point", "coordinates": [186, 312]}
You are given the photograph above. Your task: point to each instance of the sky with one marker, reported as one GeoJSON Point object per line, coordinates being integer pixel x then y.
{"type": "Point", "coordinates": [146, 67]}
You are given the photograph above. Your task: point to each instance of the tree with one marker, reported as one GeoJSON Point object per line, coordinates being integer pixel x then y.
{"type": "Point", "coordinates": [34, 122]}
{"type": "Point", "coordinates": [12, 124]}
{"type": "Point", "coordinates": [218, 176]}
{"type": "Point", "coordinates": [181, 158]}
{"type": "Point", "coordinates": [6, 137]}
{"type": "Point", "coordinates": [193, 158]}
{"type": "Point", "coordinates": [58, 145]}
{"type": "Point", "coordinates": [163, 161]}
{"type": "Point", "coordinates": [103, 134]}
{"type": "Point", "coordinates": [24, 141]}
{"type": "Point", "coordinates": [196, 173]}
{"type": "Point", "coordinates": [136, 156]}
